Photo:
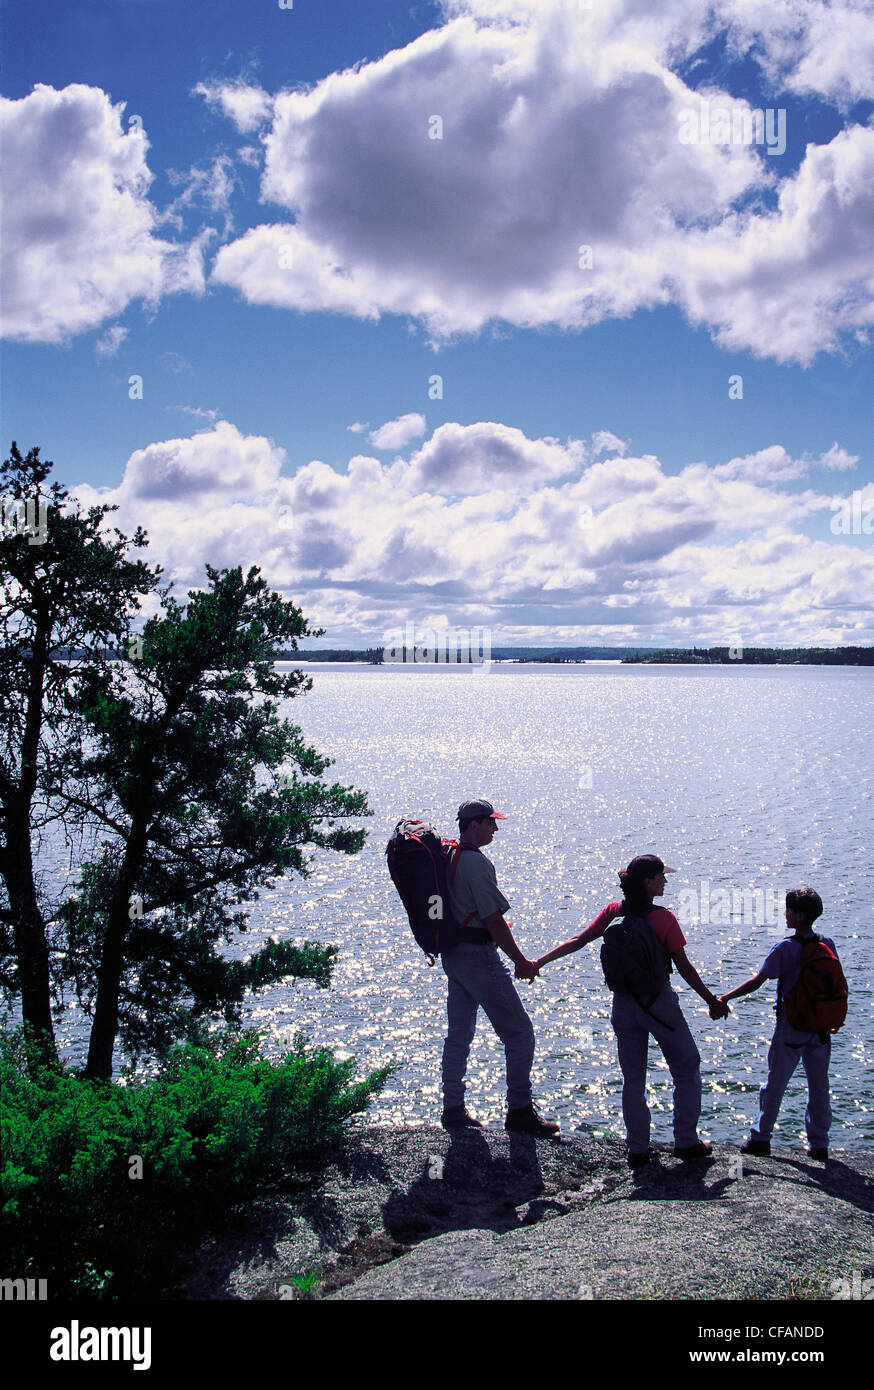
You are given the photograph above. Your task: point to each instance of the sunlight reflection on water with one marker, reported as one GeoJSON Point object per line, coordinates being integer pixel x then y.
{"type": "Point", "coordinates": [743, 780]}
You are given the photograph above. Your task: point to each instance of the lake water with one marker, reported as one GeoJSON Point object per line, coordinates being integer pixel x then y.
{"type": "Point", "coordinates": [748, 780]}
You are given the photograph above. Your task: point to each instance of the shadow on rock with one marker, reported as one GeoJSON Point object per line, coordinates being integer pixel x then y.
{"type": "Point", "coordinates": [248, 1235]}
{"type": "Point", "coordinates": [675, 1181]}
{"type": "Point", "coordinates": [468, 1188]}
{"type": "Point", "coordinates": [836, 1178]}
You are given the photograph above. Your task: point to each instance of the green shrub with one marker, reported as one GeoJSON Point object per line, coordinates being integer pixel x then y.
{"type": "Point", "coordinates": [218, 1125]}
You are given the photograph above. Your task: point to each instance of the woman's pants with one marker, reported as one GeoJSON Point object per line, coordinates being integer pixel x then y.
{"type": "Point", "coordinates": [633, 1027]}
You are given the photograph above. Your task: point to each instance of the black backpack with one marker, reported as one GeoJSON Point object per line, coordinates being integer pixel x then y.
{"type": "Point", "coordinates": [418, 861]}
{"type": "Point", "coordinates": [632, 960]}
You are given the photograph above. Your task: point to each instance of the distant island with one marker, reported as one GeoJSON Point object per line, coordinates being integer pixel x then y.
{"type": "Point", "coordinates": [759, 656]}
{"type": "Point", "coordinates": [375, 655]}
{"type": "Point", "coordinates": [712, 656]}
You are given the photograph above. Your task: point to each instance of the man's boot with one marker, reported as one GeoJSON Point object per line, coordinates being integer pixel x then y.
{"type": "Point", "coordinates": [525, 1120]}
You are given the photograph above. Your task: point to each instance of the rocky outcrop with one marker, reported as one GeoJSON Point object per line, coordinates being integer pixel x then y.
{"type": "Point", "coordinates": [413, 1213]}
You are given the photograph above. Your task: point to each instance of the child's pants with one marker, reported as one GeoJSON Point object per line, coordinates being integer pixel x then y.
{"type": "Point", "coordinates": [787, 1045]}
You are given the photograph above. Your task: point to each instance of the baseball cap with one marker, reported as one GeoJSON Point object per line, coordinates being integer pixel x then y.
{"type": "Point", "coordinates": [475, 810]}
{"type": "Point", "coordinates": [648, 866]}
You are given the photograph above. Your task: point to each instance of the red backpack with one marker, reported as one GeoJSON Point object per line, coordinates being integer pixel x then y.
{"type": "Point", "coordinates": [418, 861]}
{"type": "Point", "coordinates": [818, 1002]}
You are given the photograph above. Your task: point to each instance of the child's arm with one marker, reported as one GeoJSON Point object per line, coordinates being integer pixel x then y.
{"type": "Point", "coordinates": [754, 982]}
{"type": "Point", "coordinates": [592, 931]}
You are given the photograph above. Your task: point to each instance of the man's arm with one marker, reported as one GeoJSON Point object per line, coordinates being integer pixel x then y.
{"type": "Point", "coordinates": [718, 1007]}
{"type": "Point", "coordinates": [754, 982]}
{"type": "Point", "coordinates": [502, 933]}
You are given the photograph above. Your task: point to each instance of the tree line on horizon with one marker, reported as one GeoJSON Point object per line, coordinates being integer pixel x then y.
{"type": "Point", "coordinates": [813, 656]}
{"type": "Point", "coordinates": [762, 656]}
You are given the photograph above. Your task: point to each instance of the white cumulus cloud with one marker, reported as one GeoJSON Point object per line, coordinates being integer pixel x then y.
{"type": "Point", "coordinates": [487, 526]}
{"type": "Point", "coordinates": [838, 459]}
{"type": "Point", "coordinates": [247, 106]}
{"type": "Point", "coordinates": [394, 434]}
{"type": "Point", "coordinates": [605, 441]}
{"type": "Point", "coordinates": [524, 162]}
{"type": "Point", "coordinates": [109, 343]}
{"type": "Point", "coordinates": [489, 456]}
{"type": "Point", "coordinates": [78, 239]}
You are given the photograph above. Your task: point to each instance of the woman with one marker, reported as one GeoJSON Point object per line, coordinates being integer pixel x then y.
{"type": "Point", "coordinates": [635, 1018]}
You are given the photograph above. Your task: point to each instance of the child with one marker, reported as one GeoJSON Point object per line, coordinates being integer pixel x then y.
{"type": "Point", "coordinates": [783, 964]}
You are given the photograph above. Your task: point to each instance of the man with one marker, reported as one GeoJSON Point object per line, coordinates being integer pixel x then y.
{"type": "Point", "coordinates": [783, 964]}
{"type": "Point", "coordinates": [478, 978]}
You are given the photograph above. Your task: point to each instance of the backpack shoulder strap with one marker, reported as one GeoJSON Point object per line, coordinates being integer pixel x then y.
{"type": "Point", "coordinates": [456, 855]}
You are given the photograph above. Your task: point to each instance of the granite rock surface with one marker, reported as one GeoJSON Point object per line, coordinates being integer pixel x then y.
{"type": "Point", "coordinates": [418, 1213]}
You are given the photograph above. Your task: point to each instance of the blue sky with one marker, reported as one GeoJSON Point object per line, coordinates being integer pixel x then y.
{"type": "Point", "coordinates": [329, 206]}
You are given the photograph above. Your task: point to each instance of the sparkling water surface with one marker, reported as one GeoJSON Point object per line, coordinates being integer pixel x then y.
{"type": "Point", "coordinates": [747, 780]}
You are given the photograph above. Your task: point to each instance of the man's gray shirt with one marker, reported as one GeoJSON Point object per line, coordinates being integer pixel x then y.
{"type": "Point", "coordinates": [475, 888]}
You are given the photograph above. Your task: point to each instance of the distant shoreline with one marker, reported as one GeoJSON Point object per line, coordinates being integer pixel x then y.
{"type": "Point", "coordinates": [578, 656]}
{"type": "Point", "coordinates": [571, 656]}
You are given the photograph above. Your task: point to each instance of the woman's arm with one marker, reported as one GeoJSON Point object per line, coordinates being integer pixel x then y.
{"type": "Point", "coordinates": [591, 933]}
{"type": "Point", "coordinates": [718, 1007]}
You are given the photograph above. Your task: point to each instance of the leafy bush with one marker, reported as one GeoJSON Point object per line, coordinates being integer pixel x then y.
{"type": "Point", "coordinates": [219, 1124]}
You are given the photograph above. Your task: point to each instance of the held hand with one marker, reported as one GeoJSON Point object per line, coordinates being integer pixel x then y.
{"type": "Point", "coordinates": [527, 970]}
{"type": "Point", "coordinates": [719, 1009]}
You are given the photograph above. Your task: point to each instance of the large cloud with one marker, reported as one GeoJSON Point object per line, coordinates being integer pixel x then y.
{"type": "Point", "coordinates": [795, 282]}
{"type": "Point", "coordinates": [821, 47]}
{"type": "Point", "coordinates": [486, 456]}
{"type": "Point", "coordinates": [216, 464]}
{"type": "Point", "coordinates": [483, 525]}
{"type": "Point", "coordinates": [213, 496]}
{"type": "Point", "coordinates": [456, 180]}
{"type": "Point", "coordinates": [78, 241]}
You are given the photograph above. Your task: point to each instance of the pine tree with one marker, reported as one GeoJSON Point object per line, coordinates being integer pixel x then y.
{"type": "Point", "coordinates": [177, 756]}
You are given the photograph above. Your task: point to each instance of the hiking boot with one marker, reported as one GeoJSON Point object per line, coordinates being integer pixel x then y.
{"type": "Point", "coordinates": [525, 1120]}
{"type": "Point", "coordinates": [638, 1160]}
{"type": "Point", "coordinates": [700, 1150]}
{"type": "Point", "coordinates": [820, 1154]}
{"type": "Point", "coordinates": [759, 1148]}
{"type": "Point", "coordinates": [456, 1117]}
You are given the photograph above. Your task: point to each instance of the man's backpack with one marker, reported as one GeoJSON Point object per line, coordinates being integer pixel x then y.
{"type": "Point", "coordinates": [632, 960]}
{"type": "Point", "coordinates": [418, 861]}
{"type": "Point", "coordinates": [817, 1003]}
